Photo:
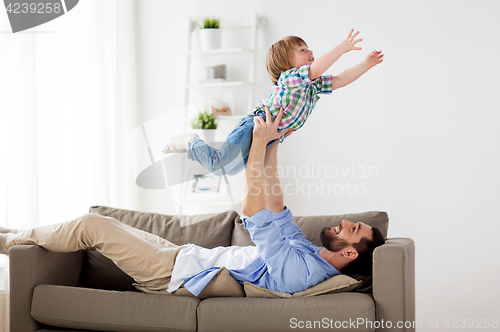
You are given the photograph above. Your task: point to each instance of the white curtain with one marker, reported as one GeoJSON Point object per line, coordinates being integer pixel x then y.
{"type": "Point", "coordinates": [67, 92]}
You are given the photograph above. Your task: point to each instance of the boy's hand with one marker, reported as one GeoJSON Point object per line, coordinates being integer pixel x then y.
{"type": "Point", "coordinates": [374, 58]}
{"type": "Point", "coordinates": [349, 43]}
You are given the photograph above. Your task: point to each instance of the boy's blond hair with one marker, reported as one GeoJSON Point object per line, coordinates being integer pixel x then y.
{"type": "Point", "coordinates": [280, 56]}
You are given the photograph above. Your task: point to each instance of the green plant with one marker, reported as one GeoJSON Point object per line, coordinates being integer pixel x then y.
{"type": "Point", "coordinates": [210, 23]}
{"type": "Point", "coordinates": [204, 120]}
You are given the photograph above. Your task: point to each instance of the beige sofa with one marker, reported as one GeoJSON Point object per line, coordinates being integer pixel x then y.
{"type": "Point", "coordinates": [84, 290]}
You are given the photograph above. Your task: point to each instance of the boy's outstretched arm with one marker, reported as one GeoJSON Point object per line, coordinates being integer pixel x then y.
{"type": "Point", "coordinates": [263, 132]}
{"type": "Point", "coordinates": [350, 75]}
{"type": "Point", "coordinates": [320, 65]}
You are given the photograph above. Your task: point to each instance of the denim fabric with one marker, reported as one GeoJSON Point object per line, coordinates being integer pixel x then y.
{"type": "Point", "coordinates": [232, 157]}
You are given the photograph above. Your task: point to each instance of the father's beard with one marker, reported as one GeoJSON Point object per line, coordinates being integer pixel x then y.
{"type": "Point", "coordinates": [331, 242]}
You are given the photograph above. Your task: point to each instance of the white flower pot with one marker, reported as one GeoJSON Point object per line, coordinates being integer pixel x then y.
{"type": "Point", "coordinates": [208, 135]}
{"type": "Point", "coordinates": [210, 39]}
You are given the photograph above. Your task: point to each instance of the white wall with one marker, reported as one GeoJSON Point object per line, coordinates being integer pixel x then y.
{"type": "Point", "coordinates": [425, 123]}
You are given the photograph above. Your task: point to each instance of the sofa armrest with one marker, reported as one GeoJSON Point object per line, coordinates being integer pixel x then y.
{"type": "Point", "coordinates": [394, 284]}
{"type": "Point", "coordinates": [32, 265]}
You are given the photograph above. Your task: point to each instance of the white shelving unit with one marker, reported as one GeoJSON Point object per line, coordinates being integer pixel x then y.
{"type": "Point", "coordinates": [252, 22]}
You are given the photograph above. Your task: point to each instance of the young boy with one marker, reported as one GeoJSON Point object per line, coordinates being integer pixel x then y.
{"type": "Point", "coordinates": [297, 82]}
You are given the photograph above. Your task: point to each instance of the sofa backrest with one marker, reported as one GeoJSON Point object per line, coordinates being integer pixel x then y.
{"type": "Point", "coordinates": [311, 226]}
{"type": "Point", "coordinates": [207, 230]}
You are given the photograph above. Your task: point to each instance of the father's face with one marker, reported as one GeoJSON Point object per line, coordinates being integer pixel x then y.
{"type": "Point", "coordinates": [337, 238]}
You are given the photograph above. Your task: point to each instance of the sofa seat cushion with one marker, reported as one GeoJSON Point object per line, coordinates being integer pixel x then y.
{"type": "Point", "coordinates": [60, 330]}
{"type": "Point", "coordinates": [93, 309]}
{"type": "Point", "coordinates": [258, 314]}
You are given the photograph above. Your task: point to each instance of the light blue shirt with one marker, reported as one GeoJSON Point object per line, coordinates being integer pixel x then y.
{"type": "Point", "coordinates": [287, 261]}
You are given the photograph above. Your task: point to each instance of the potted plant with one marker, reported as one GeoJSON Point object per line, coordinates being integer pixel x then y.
{"type": "Point", "coordinates": [205, 124]}
{"type": "Point", "coordinates": [210, 33]}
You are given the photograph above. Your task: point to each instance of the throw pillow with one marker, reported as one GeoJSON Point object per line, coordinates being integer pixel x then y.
{"type": "Point", "coordinates": [222, 285]}
{"type": "Point", "coordinates": [337, 284]}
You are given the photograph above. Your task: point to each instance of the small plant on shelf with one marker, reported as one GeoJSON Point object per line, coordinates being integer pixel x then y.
{"type": "Point", "coordinates": [210, 33]}
{"type": "Point", "coordinates": [204, 120]}
{"type": "Point", "coordinates": [210, 23]}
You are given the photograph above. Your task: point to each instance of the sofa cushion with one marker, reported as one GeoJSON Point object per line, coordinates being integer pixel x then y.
{"type": "Point", "coordinates": [311, 226]}
{"type": "Point", "coordinates": [207, 230]}
{"type": "Point", "coordinates": [81, 308]}
{"type": "Point", "coordinates": [101, 273]}
{"type": "Point", "coordinates": [222, 285]}
{"type": "Point", "coordinates": [337, 284]}
{"type": "Point", "coordinates": [254, 314]}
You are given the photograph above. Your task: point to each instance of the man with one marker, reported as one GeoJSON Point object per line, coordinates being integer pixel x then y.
{"type": "Point", "coordinates": [282, 260]}
{"type": "Point", "coordinates": [299, 264]}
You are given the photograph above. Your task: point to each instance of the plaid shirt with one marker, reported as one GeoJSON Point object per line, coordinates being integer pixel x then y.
{"type": "Point", "coordinates": [298, 96]}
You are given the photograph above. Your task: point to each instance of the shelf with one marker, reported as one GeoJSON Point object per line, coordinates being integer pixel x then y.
{"type": "Point", "coordinates": [216, 85]}
{"type": "Point", "coordinates": [220, 51]}
{"type": "Point", "coordinates": [204, 202]}
{"type": "Point", "coordinates": [224, 117]}
{"type": "Point", "coordinates": [258, 22]}
{"type": "Point", "coordinates": [230, 117]}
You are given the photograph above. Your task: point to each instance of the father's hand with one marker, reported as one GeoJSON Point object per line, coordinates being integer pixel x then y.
{"type": "Point", "coordinates": [265, 131]}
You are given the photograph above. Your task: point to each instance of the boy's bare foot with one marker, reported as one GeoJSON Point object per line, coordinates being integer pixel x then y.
{"type": "Point", "coordinates": [178, 143]}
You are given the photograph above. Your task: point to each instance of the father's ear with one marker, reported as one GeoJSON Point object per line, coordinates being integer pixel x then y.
{"type": "Point", "coordinates": [350, 253]}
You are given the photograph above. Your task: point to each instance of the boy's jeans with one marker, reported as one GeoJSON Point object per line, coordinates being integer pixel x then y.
{"type": "Point", "coordinates": [232, 157]}
{"type": "Point", "coordinates": [147, 258]}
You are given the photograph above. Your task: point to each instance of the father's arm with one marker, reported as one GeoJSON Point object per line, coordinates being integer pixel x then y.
{"type": "Point", "coordinates": [274, 196]}
{"type": "Point", "coordinates": [283, 258]}
{"type": "Point", "coordinates": [263, 132]}
{"type": "Point", "coordinates": [272, 186]}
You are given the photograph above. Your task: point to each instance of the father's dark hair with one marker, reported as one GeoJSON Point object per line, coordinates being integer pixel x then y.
{"type": "Point", "coordinates": [363, 264]}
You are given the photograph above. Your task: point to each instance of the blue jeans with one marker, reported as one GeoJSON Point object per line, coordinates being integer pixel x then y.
{"type": "Point", "coordinates": [232, 157]}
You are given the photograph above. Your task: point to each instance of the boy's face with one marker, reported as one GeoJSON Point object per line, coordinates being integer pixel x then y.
{"type": "Point", "coordinates": [302, 56]}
